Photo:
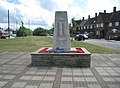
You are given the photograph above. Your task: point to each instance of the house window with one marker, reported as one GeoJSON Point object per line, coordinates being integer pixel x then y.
{"type": "Point", "coordinates": [101, 24]}
{"type": "Point", "coordinates": [81, 27]}
{"type": "Point", "coordinates": [91, 26]}
{"type": "Point", "coordinates": [110, 24]}
{"type": "Point", "coordinates": [97, 32]}
{"type": "Point", "coordinates": [84, 27]}
{"type": "Point", "coordinates": [87, 27]}
{"type": "Point", "coordinates": [116, 23]}
{"type": "Point", "coordinates": [97, 25]}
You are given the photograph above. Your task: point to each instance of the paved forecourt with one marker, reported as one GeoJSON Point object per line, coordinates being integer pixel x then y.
{"type": "Point", "coordinates": [16, 72]}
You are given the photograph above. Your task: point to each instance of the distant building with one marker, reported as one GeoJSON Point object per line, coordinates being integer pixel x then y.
{"type": "Point", "coordinates": [2, 33]}
{"type": "Point", "coordinates": [108, 24]}
{"type": "Point", "coordinates": [87, 26]}
{"type": "Point", "coordinates": [9, 31]}
{"type": "Point", "coordinates": [105, 25]}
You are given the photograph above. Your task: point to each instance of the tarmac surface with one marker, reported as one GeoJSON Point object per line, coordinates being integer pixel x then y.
{"type": "Point", "coordinates": [16, 72]}
{"type": "Point", "coordinates": [105, 43]}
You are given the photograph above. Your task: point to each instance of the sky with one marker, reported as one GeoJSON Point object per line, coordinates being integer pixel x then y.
{"type": "Point", "coordinates": [40, 13]}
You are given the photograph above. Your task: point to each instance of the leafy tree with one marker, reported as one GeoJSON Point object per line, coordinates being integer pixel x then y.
{"type": "Point", "coordinates": [50, 31]}
{"type": "Point", "coordinates": [39, 32]}
{"type": "Point", "coordinates": [22, 32]}
{"type": "Point", "coordinates": [74, 24]}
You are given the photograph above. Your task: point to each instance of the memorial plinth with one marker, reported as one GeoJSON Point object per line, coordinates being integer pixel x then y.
{"type": "Point", "coordinates": [71, 58]}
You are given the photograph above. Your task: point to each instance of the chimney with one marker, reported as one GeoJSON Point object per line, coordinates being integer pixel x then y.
{"type": "Point", "coordinates": [114, 9]}
{"type": "Point", "coordinates": [83, 18]}
{"type": "Point", "coordinates": [88, 17]}
{"type": "Point", "coordinates": [104, 11]}
{"type": "Point", "coordinates": [95, 15]}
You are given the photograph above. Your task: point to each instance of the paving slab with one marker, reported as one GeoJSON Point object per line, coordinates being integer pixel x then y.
{"type": "Point", "coordinates": [16, 71]}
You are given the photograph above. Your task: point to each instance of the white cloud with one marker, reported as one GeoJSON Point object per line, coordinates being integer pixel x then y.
{"type": "Point", "coordinates": [31, 10]}
{"type": "Point", "coordinates": [41, 12]}
{"type": "Point", "coordinates": [96, 6]}
{"type": "Point", "coordinates": [63, 4]}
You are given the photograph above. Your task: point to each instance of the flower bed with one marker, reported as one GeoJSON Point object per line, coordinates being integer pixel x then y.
{"type": "Point", "coordinates": [77, 50]}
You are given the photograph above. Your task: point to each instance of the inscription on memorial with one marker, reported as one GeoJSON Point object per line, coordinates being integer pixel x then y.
{"type": "Point", "coordinates": [61, 36]}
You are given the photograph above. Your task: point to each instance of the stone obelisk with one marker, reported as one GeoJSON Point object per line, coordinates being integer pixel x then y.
{"type": "Point", "coordinates": [61, 37]}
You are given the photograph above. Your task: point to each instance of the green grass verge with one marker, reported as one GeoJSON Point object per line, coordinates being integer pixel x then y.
{"type": "Point", "coordinates": [33, 43]}
{"type": "Point", "coordinates": [28, 44]}
{"type": "Point", "coordinates": [94, 48]}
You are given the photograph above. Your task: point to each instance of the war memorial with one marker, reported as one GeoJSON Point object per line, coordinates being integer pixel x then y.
{"type": "Point", "coordinates": [61, 53]}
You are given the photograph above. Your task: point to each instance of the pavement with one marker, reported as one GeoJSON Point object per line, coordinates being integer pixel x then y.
{"type": "Point", "coordinates": [105, 43]}
{"type": "Point", "coordinates": [16, 72]}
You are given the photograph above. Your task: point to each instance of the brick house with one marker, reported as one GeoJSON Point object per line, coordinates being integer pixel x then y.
{"type": "Point", "coordinates": [113, 24]}
{"type": "Point", "coordinates": [108, 24]}
{"type": "Point", "coordinates": [2, 32]}
{"type": "Point", "coordinates": [105, 25]}
{"type": "Point", "coordinates": [90, 26]}
{"type": "Point", "coordinates": [80, 25]}
{"type": "Point", "coordinates": [87, 26]}
{"type": "Point", "coordinates": [10, 31]}
{"type": "Point", "coordinates": [101, 24]}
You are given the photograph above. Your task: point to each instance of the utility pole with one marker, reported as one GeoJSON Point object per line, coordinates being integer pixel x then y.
{"type": "Point", "coordinates": [16, 25]}
{"type": "Point", "coordinates": [8, 24]}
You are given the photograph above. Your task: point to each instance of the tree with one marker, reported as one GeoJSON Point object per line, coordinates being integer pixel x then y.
{"type": "Point", "coordinates": [39, 32]}
{"type": "Point", "coordinates": [22, 32]}
{"type": "Point", "coordinates": [50, 31]}
{"type": "Point", "coordinates": [74, 24]}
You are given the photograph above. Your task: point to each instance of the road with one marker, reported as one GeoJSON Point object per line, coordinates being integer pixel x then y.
{"type": "Point", "coordinates": [106, 43]}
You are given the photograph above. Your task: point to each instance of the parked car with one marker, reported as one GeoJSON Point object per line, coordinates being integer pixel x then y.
{"type": "Point", "coordinates": [86, 36]}
{"type": "Point", "coordinates": [117, 38]}
{"type": "Point", "coordinates": [81, 37]}
{"type": "Point", "coordinates": [112, 37]}
{"type": "Point", "coordinates": [11, 35]}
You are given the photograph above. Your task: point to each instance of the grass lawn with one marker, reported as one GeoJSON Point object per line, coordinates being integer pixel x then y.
{"type": "Point", "coordinates": [33, 43]}
{"type": "Point", "coordinates": [28, 44]}
{"type": "Point", "coordinates": [95, 48]}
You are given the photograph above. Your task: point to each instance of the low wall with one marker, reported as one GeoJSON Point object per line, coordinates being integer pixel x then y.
{"type": "Point", "coordinates": [70, 59]}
